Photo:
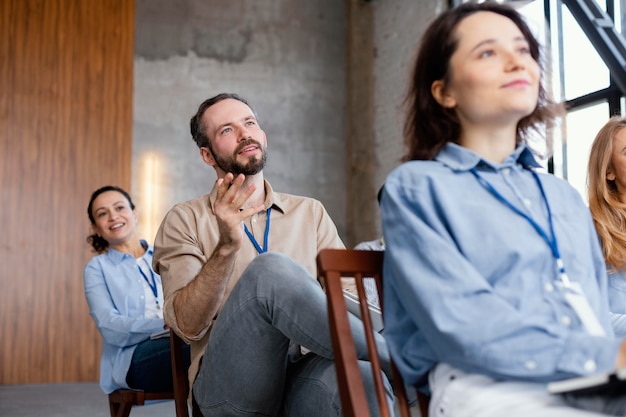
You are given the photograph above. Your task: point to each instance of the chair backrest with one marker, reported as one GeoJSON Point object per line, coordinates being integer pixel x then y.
{"type": "Point", "coordinates": [333, 265]}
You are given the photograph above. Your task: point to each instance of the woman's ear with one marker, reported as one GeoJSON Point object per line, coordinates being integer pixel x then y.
{"type": "Point", "coordinates": [610, 175]}
{"type": "Point", "coordinates": [438, 90]}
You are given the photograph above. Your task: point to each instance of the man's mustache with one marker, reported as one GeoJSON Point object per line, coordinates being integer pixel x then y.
{"type": "Point", "coordinates": [248, 142]}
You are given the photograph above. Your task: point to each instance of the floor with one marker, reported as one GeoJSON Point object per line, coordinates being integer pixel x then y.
{"type": "Point", "coordinates": [67, 400]}
{"type": "Point", "coordinates": [72, 400]}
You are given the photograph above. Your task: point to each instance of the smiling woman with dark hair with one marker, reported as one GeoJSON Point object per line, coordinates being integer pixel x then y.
{"type": "Point", "coordinates": [125, 297]}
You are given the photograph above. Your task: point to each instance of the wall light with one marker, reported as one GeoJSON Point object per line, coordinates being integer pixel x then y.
{"type": "Point", "coordinates": [151, 178]}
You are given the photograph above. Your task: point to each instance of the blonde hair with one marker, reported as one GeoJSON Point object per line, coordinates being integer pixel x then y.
{"type": "Point", "coordinates": [607, 208]}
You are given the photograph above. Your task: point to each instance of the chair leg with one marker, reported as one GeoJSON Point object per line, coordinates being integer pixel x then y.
{"type": "Point", "coordinates": [114, 407]}
{"type": "Point", "coordinates": [119, 409]}
{"type": "Point", "coordinates": [125, 410]}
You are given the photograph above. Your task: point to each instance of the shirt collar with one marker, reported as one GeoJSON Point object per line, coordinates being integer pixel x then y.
{"type": "Point", "coordinates": [272, 199]}
{"type": "Point", "coordinates": [116, 256]}
{"type": "Point", "coordinates": [459, 158]}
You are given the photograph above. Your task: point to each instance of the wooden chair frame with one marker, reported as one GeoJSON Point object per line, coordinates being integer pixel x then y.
{"type": "Point", "coordinates": [121, 401]}
{"type": "Point", "coordinates": [333, 265]}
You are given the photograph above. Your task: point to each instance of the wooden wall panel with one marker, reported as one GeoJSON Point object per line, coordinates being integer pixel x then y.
{"type": "Point", "coordinates": [66, 69]}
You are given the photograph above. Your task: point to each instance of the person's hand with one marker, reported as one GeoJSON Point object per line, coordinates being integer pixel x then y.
{"type": "Point", "coordinates": [229, 209]}
{"type": "Point", "coordinates": [620, 362]}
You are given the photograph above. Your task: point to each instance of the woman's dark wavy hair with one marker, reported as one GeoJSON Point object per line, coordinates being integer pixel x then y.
{"type": "Point", "coordinates": [98, 243]}
{"type": "Point", "coordinates": [428, 125]}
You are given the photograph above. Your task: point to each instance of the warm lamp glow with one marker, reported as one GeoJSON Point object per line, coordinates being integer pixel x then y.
{"type": "Point", "coordinates": [151, 201]}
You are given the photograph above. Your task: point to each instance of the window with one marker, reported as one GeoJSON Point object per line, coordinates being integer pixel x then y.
{"type": "Point", "coordinates": [580, 78]}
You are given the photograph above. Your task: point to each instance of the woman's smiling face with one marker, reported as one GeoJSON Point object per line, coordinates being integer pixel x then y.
{"type": "Point", "coordinates": [115, 220]}
{"type": "Point", "coordinates": [493, 79]}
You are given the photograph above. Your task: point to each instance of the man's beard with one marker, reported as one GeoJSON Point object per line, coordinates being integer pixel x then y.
{"type": "Point", "coordinates": [252, 167]}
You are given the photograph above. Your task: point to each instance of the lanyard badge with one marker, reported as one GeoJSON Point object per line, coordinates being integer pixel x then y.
{"type": "Point", "coordinates": [573, 293]}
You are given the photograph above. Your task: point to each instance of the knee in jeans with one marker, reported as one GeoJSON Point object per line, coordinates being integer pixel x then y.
{"type": "Point", "coordinates": [273, 269]}
{"type": "Point", "coordinates": [273, 261]}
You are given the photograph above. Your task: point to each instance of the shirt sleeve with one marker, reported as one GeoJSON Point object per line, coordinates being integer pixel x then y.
{"type": "Point", "coordinates": [617, 302]}
{"type": "Point", "coordinates": [439, 307]}
{"type": "Point", "coordinates": [328, 238]}
{"type": "Point", "coordinates": [327, 235]}
{"type": "Point", "coordinates": [178, 258]}
{"type": "Point", "coordinates": [116, 328]}
{"type": "Point", "coordinates": [619, 324]}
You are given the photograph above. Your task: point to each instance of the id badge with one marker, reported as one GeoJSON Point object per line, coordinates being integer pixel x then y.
{"type": "Point", "coordinates": [579, 303]}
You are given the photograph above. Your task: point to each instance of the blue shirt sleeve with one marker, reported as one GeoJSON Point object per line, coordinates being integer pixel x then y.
{"type": "Point", "coordinates": [114, 295]}
{"type": "Point", "coordinates": [617, 302]}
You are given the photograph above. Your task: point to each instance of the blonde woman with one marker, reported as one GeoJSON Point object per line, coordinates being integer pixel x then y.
{"type": "Point", "coordinates": [607, 201]}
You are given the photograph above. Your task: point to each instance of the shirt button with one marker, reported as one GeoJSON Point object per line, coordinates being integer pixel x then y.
{"type": "Point", "coordinates": [506, 171]}
{"type": "Point", "coordinates": [549, 287]}
{"type": "Point", "coordinates": [590, 365]}
{"type": "Point", "coordinates": [254, 220]}
{"type": "Point", "coordinates": [527, 202]}
{"type": "Point", "coordinates": [530, 365]}
{"type": "Point", "coordinates": [566, 320]}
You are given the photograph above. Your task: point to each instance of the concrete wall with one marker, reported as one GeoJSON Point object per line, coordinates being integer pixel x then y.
{"type": "Point", "coordinates": [299, 64]}
{"type": "Point", "coordinates": [286, 57]}
{"type": "Point", "coordinates": [382, 41]}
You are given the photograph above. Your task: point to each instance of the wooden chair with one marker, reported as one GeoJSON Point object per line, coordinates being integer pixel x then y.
{"type": "Point", "coordinates": [180, 375]}
{"type": "Point", "coordinates": [122, 400]}
{"type": "Point", "coordinates": [333, 264]}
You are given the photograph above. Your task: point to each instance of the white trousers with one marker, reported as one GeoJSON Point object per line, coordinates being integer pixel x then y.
{"type": "Point", "coordinates": [455, 393]}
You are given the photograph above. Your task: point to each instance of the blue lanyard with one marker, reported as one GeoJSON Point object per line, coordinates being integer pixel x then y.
{"type": "Point", "coordinates": [550, 240]}
{"type": "Point", "coordinates": [153, 284]}
{"type": "Point", "coordinates": [260, 249]}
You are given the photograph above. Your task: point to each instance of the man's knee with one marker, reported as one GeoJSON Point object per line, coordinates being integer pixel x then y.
{"type": "Point", "coordinates": [274, 263]}
{"type": "Point", "coordinates": [273, 270]}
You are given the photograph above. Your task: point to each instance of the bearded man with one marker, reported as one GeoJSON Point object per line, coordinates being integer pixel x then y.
{"type": "Point", "coordinates": [238, 270]}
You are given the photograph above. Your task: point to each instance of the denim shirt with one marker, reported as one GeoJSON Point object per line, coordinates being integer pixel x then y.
{"type": "Point", "coordinates": [471, 283]}
{"type": "Point", "coordinates": [115, 293]}
{"type": "Point", "coordinates": [617, 301]}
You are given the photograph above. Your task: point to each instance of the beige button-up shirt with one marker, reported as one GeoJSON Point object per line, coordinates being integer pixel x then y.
{"type": "Point", "coordinates": [299, 228]}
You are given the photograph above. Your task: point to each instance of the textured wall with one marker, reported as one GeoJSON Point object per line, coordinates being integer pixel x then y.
{"type": "Point", "coordinates": [398, 27]}
{"type": "Point", "coordinates": [383, 37]}
{"type": "Point", "coordinates": [285, 56]}
{"type": "Point", "coordinates": [327, 78]}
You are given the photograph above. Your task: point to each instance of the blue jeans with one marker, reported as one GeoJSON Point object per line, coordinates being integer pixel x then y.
{"type": "Point", "coordinates": [253, 366]}
{"type": "Point", "coordinates": [151, 367]}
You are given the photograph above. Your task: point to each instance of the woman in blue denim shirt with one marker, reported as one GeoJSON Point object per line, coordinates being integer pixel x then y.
{"type": "Point", "coordinates": [607, 201]}
{"type": "Point", "coordinates": [495, 285]}
{"type": "Point", "coordinates": [125, 297]}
